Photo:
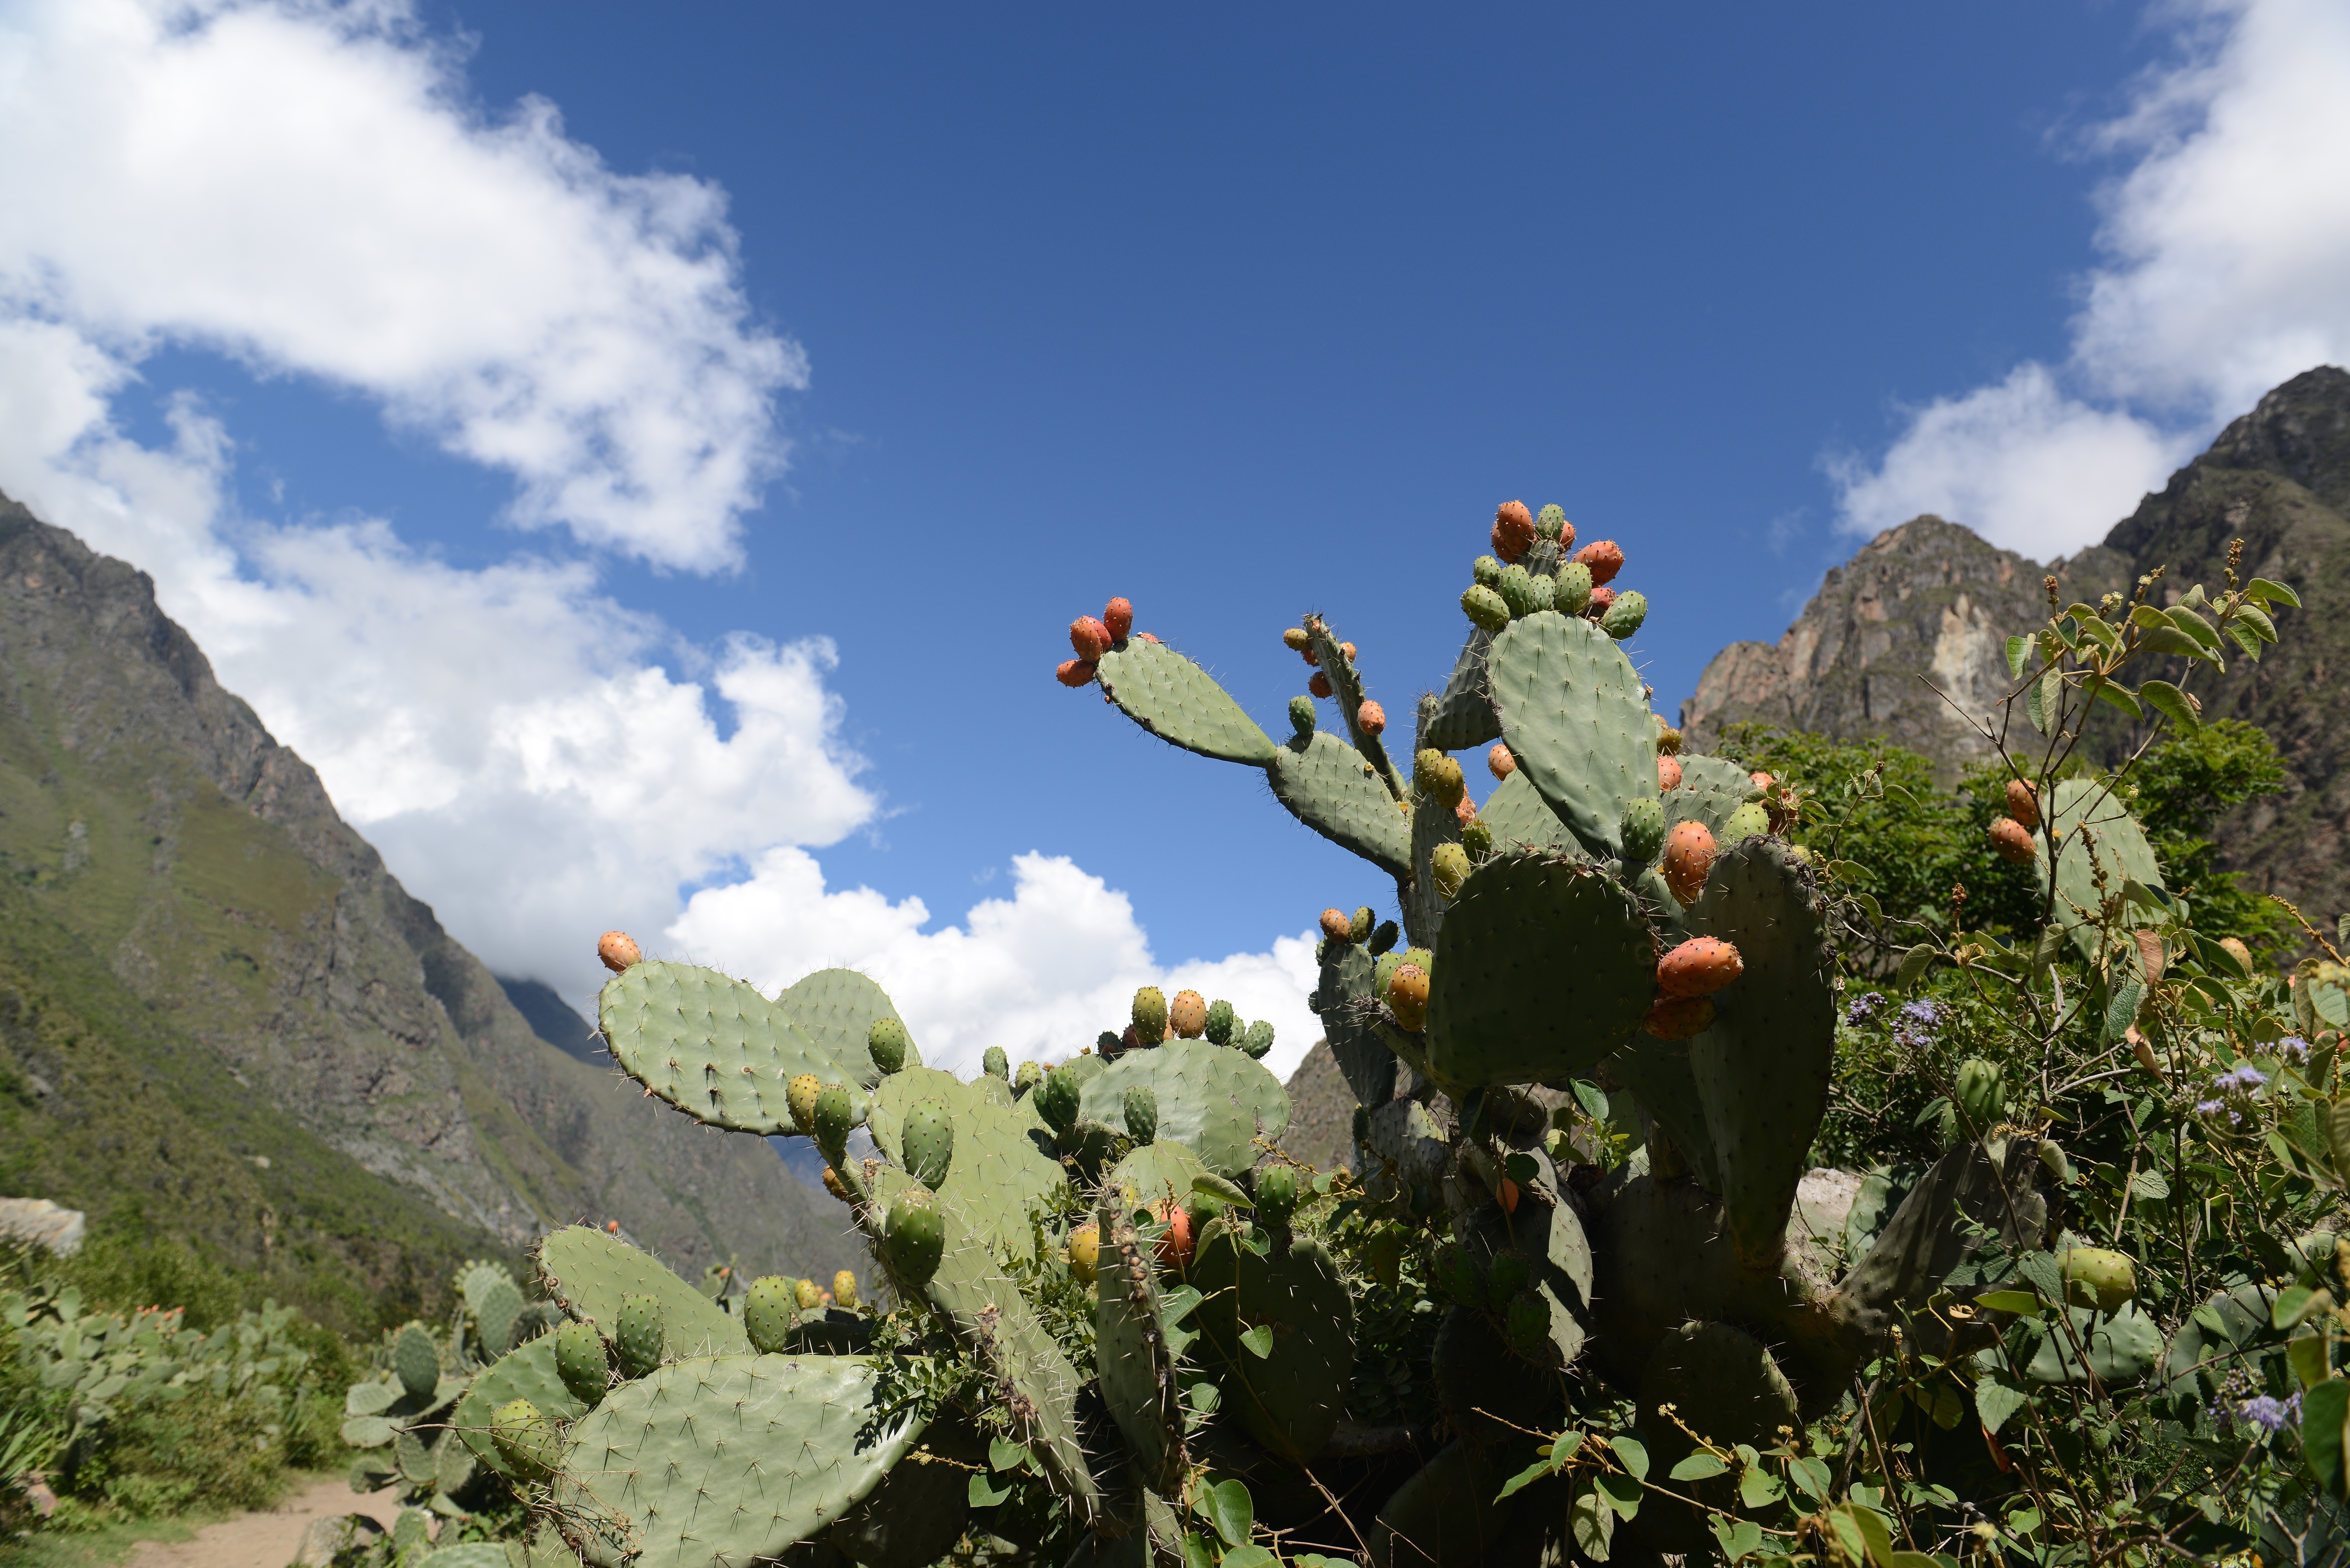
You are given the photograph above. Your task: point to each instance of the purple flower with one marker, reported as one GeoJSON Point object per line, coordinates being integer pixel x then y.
{"type": "Point", "coordinates": [1924, 1011]}
{"type": "Point", "coordinates": [2268, 1414]}
{"type": "Point", "coordinates": [2209, 1107]}
{"type": "Point", "coordinates": [1863, 1009]}
{"type": "Point", "coordinates": [2242, 1080]}
{"type": "Point", "coordinates": [2294, 1046]}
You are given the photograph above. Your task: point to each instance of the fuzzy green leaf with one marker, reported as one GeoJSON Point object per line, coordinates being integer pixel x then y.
{"type": "Point", "coordinates": [2020, 651]}
{"type": "Point", "coordinates": [2171, 703]}
{"type": "Point", "coordinates": [2274, 592]}
{"type": "Point", "coordinates": [2120, 697]}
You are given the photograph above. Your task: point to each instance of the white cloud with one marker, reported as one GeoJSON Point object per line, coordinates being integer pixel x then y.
{"type": "Point", "coordinates": [297, 184]}
{"type": "Point", "coordinates": [1040, 974]}
{"type": "Point", "coordinates": [300, 185]}
{"type": "Point", "coordinates": [2227, 245]}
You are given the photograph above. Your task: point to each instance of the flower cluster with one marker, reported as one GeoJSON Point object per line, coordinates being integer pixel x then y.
{"type": "Point", "coordinates": [2265, 1411]}
{"type": "Point", "coordinates": [2237, 1083]}
{"type": "Point", "coordinates": [1864, 1009]}
{"type": "Point", "coordinates": [1913, 1026]}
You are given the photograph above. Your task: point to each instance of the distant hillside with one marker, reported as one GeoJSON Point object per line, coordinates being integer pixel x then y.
{"type": "Point", "coordinates": [211, 922]}
{"type": "Point", "coordinates": [1928, 599]}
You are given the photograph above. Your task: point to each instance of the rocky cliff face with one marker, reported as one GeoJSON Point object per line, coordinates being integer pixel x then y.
{"type": "Point", "coordinates": [149, 812]}
{"type": "Point", "coordinates": [1922, 612]}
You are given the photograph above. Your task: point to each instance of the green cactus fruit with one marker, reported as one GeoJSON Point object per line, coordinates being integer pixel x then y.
{"type": "Point", "coordinates": [582, 1362]}
{"type": "Point", "coordinates": [1108, 1044]}
{"type": "Point", "coordinates": [768, 1313]}
{"type": "Point", "coordinates": [1150, 1015]}
{"type": "Point", "coordinates": [1027, 1078]}
{"type": "Point", "coordinates": [1525, 1325]}
{"type": "Point", "coordinates": [1259, 1039]}
{"type": "Point", "coordinates": [2098, 1278]}
{"type": "Point", "coordinates": [1570, 591]}
{"type": "Point", "coordinates": [526, 1439]}
{"type": "Point", "coordinates": [915, 1238]}
{"type": "Point", "coordinates": [1643, 830]}
{"type": "Point", "coordinates": [1362, 1125]}
{"type": "Point", "coordinates": [844, 1288]}
{"type": "Point", "coordinates": [1435, 776]}
{"type": "Point", "coordinates": [1364, 923]}
{"type": "Point", "coordinates": [1056, 1099]}
{"type": "Point", "coordinates": [835, 1113]}
{"type": "Point", "coordinates": [1477, 839]}
{"type": "Point", "coordinates": [640, 1337]}
{"type": "Point", "coordinates": [886, 1042]}
{"type": "Point", "coordinates": [1485, 607]}
{"type": "Point", "coordinates": [1981, 1096]}
{"type": "Point", "coordinates": [1550, 521]}
{"type": "Point", "coordinates": [996, 1064]}
{"type": "Point", "coordinates": [1505, 1276]}
{"type": "Point", "coordinates": [1449, 864]}
{"type": "Point", "coordinates": [1625, 616]}
{"type": "Point", "coordinates": [1301, 715]}
{"type": "Point", "coordinates": [800, 1094]}
{"type": "Point", "coordinates": [1384, 969]}
{"type": "Point", "coordinates": [926, 1142]}
{"type": "Point", "coordinates": [1222, 1022]}
{"type": "Point", "coordinates": [1749, 821]}
{"type": "Point", "coordinates": [417, 1360]}
{"type": "Point", "coordinates": [1385, 938]}
{"type": "Point", "coordinates": [1517, 590]}
{"type": "Point", "coordinates": [1142, 1113]}
{"type": "Point", "coordinates": [1457, 1275]}
{"type": "Point", "coordinates": [1276, 1194]}
{"type": "Point", "coordinates": [1486, 572]}
{"type": "Point", "coordinates": [807, 1294]}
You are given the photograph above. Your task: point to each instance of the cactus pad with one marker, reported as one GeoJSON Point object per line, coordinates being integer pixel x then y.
{"type": "Point", "coordinates": [1132, 1356]}
{"type": "Point", "coordinates": [1344, 1001]}
{"type": "Point", "coordinates": [837, 1009]}
{"type": "Point", "coordinates": [1216, 1103]}
{"type": "Point", "coordinates": [786, 1442]}
{"type": "Point", "coordinates": [1659, 1074]}
{"type": "Point", "coordinates": [1338, 662]}
{"type": "Point", "coordinates": [1516, 815]}
{"type": "Point", "coordinates": [589, 1273]}
{"type": "Point", "coordinates": [1464, 715]}
{"type": "Point", "coordinates": [714, 1048]}
{"type": "Point", "coordinates": [1501, 1010]}
{"type": "Point", "coordinates": [1180, 704]}
{"type": "Point", "coordinates": [1331, 788]}
{"type": "Point", "coordinates": [496, 1306]}
{"type": "Point", "coordinates": [530, 1373]}
{"type": "Point", "coordinates": [1724, 1384]}
{"type": "Point", "coordinates": [1002, 1165]}
{"type": "Point", "coordinates": [1576, 715]}
{"type": "Point", "coordinates": [1710, 789]}
{"type": "Point", "coordinates": [1289, 1398]}
{"type": "Point", "coordinates": [1155, 1173]}
{"type": "Point", "coordinates": [416, 1360]}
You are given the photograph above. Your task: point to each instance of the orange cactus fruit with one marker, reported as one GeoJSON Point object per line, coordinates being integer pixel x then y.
{"type": "Point", "coordinates": [1371, 717]}
{"type": "Point", "coordinates": [2024, 803]}
{"type": "Point", "coordinates": [618, 949]}
{"type": "Point", "coordinates": [1499, 760]}
{"type": "Point", "coordinates": [1679, 1017]}
{"type": "Point", "coordinates": [1699, 967]}
{"type": "Point", "coordinates": [1089, 637]}
{"type": "Point", "coordinates": [2012, 841]}
{"type": "Point", "coordinates": [1605, 558]}
{"type": "Point", "coordinates": [1668, 773]}
{"type": "Point", "coordinates": [1187, 1015]}
{"type": "Point", "coordinates": [1074, 672]}
{"type": "Point", "coordinates": [1513, 530]}
{"type": "Point", "coordinates": [1688, 859]}
{"type": "Point", "coordinates": [1175, 1247]}
{"type": "Point", "coordinates": [1319, 685]}
{"type": "Point", "coordinates": [1337, 925]}
{"type": "Point", "coordinates": [1118, 617]}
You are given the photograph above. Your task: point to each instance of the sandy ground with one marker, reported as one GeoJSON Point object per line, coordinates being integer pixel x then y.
{"type": "Point", "coordinates": [265, 1540]}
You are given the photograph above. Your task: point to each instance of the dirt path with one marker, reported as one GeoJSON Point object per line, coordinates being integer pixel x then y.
{"type": "Point", "coordinates": [265, 1540]}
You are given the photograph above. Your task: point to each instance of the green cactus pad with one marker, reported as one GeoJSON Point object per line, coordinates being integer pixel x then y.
{"type": "Point", "coordinates": [837, 1008]}
{"type": "Point", "coordinates": [1762, 1068]}
{"type": "Point", "coordinates": [1964, 1197]}
{"type": "Point", "coordinates": [1464, 715]}
{"type": "Point", "coordinates": [1500, 1009]}
{"type": "Point", "coordinates": [1155, 1172]}
{"type": "Point", "coordinates": [588, 1272]}
{"type": "Point", "coordinates": [526, 1440]}
{"type": "Point", "coordinates": [714, 1048]}
{"type": "Point", "coordinates": [1347, 686]}
{"type": "Point", "coordinates": [1344, 1001]}
{"type": "Point", "coordinates": [1214, 1102]}
{"type": "Point", "coordinates": [1659, 1074]}
{"type": "Point", "coordinates": [416, 1360]}
{"type": "Point", "coordinates": [1003, 1164]}
{"type": "Point", "coordinates": [1723, 1383]}
{"type": "Point", "coordinates": [926, 1141]}
{"type": "Point", "coordinates": [2115, 1350]}
{"type": "Point", "coordinates": [1488, 1400]}
{"type": "Point", "coordinates": [1576, 715]}
{"type": "Point", "coordinates": [1517, 816]}
{"type": "Point", "coordinates": [1710, 789]}
{"type": "Point", "coordinates": [1291, 1398]}
{"type": "Point", "coordinates": [1180, 704]}
{"type": "Point", "coordinates": [2092, 826]}
{"type": "Point", "coordinates": [918, 1513]}
{"type": "Point", "coordinates": [1131, 1354]}
{"type": "Point", "coordinates": [530, 1373]}
{"type": "Point", "coordinates": [1445, 1516]}
{"type": "Point", "coordinates": [786, 1441]}
{"type": "Point", "coordinates": [496, 1306]}
{"type": "Point", "coordinates": [1330, 787]}
{"type": "Point", "coordinates": [1433, 826]}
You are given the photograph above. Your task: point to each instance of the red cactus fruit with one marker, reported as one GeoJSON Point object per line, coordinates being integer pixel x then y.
{"type": "Point", "coordinates": [2011, 841]}
{"type": "Point", "coordinates": [2022, 802]}
{"type": "Point", "coordinates": [1601, 599]}
{"type": "Point", "coordinates": [1508, 1196]}
{"type": "Point", "coordinates": [1761, 781]}
{"type": "Point", "coordinates": [1688, 857]}
{"type": "Point", "coordinates": [1668, 773]}
{"type": "Point", "coordinates": [1088, 636]}
{"type": "Point", "coordinates": [1371, 717]}
{"type": "Point", "coordinates": [1699, 967]}
{"type": "Point", "coordinates": [1513, 530]}
{"type": "Point", "coordinates": [1319, 685]}
{"type": "Point", "coordinates": [1466, 812]}
{"type": "Point", "coordinates": [618, 949]}
{"type": "Point", "coordinates": [1348, 649]}
{"type": "Point", "coordinates": [1500, 762]}
{"type": "Point", "coordinates": [611, 1227]}
{"type": "Point", "coordinates": [1679, 1017]}
{"type": "Point", "coordinates": [1175, 1247]}
{"type": "Point", "coordinates": [1566, 539]}
{"type": "Point", "coordinates": [1146, 637]}
{"type": "Point", "coordinates": [1074, 671]}
{"type": "Point", "coordinates": [1337, 925]}
{"type": "Point", "coordinates": [1311, 654]}
{"type": "Point", "coordinates": [1605, 558]}
{"type": "Point", "coordinates": [1118, 615]}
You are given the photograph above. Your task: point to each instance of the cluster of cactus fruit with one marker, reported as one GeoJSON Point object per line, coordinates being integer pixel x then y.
{"type": "Point", "coordinates": [1617, 914]}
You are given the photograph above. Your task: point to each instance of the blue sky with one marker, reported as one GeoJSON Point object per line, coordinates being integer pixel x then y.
{"type": "Point", "coordinates": [986, 315]}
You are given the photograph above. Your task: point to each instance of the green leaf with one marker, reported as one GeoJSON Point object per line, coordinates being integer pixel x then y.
{"type": "Point", "coordinates": [2324, 1415]}
{"type": "Point", "coordinates": [1995, 1401]}
{"type": "Point", "coordinates": [1633, 1454]}
{"type": "Point", "coordinates": [1876, 1538]}
{"type": "Point", "coordinates": [1231, 1510]}
{"type": "Point", "coordinates": [1810, 1475]}
{"type": "Point", "coordinates": [2045, 700]}
{"type": "Point", "coordinates": [2274, 592]}
{"type": "Point", "coordinates": [2121, 697]}
{"type": "Point", "coordinates": [1913, 966]}
{"type": "Point", "coordinates": [1591, 1097]}
{"type": "Point", "coordinates": [2306, 1355]}
{"type": "Point", "coordinates": [1757, 1488]}
{"type": "Point", "coordinates": [1921, 1560]}
{"type": "Point", "coordinates": [2172, 704]}
{"type": "Point", "coordinates": [1740, 1539]}
{"type": "Point", "coordinates": [1621, 1493]}
{"type": "Point", "coordinates": [1525, 1478]}
{"type": "Point", "coordinates": [2168, 640]}
{"type": "Point", "coordinates": [2151, 1186]}
{"type": "Point", "coordinates": [2148, 618]}
{"type": "Point", "coordinates": [2259, 621]}
{"type": "Point", "coordinates": [1199, 1551]}
{"type": "Point", "coordinates": [982, 1495]}
{"type": "Point", "coordinates": [1698, 1466]}
{"type": "Point", "coordinates": [2246, 639]}
{"type": "Point", "coordinates": [1250, 1557]}
{"type": "Point", "coordinates": [1215, 1186]}
{"type": "Point", "coordinates": [1258, 1342]}
{"type": "Point", "coordinates": [1593, 1524]}
{"type": "Point", "coordinates": [2020, 650]}
{"type": "Point", "coordinates": [1003, 1456]}
{"type": "Point", "coordinates": [2290, 1306]}
{"type": "Point", "coordinates": [2196, 627]}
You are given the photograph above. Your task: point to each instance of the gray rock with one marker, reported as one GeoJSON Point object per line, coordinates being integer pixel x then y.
{"type": "Point", "coordinates": [336, 1532]}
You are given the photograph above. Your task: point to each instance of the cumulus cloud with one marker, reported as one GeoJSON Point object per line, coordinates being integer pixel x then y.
{"type": "Point", "coordinates": [2226, 243]}
{"type": "Point", "coordinates": [301, 186]}
{"type": "Point", "coordinates": [1040, 974]}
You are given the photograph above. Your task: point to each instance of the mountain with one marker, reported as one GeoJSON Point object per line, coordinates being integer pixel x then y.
{"type": "Point", "coordinates": [1930, 600]}
{"type": "Point", "coordinates": [230, 950]}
